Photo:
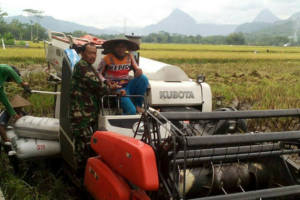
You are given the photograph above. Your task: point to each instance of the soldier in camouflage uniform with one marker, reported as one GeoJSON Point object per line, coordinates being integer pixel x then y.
{"type": "Point", "coordinates": [86, 90]}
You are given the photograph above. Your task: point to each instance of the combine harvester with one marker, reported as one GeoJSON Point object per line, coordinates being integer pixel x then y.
{"type": "Point", "coordinates": [178, 148]}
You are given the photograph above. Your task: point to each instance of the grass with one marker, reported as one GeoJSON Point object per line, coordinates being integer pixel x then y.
{"type": "Point", "coordinates": [36, 181]}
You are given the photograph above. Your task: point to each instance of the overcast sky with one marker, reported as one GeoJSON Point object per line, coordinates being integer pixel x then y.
{"type": "Point", "coordinates": [139, 13]}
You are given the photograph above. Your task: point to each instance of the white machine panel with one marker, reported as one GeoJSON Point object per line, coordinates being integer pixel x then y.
{"type": "Point", "coordinates": [175, 93]}
{"type": "Point", "coordinates": [160, 71]}
{"type": "Point", "coordinates": [37, 127]}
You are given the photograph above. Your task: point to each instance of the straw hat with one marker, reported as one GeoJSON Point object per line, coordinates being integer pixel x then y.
{"type": "Point", "coordinates": [134, 38]}
{"type": "Point", "coordinates": [110, 44]}
{"type": "Point", "coordinates": [19, 101]}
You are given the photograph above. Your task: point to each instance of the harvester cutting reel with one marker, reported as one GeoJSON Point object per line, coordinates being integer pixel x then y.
{"type": "Point", "coordinates": [228, 166]}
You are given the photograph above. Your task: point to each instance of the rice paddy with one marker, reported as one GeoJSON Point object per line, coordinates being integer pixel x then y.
{"type": "Point", "coordinates": [249, 77]}
{"type": "Point", "coordinates": [246, 77]}
{"type": "Point", "coordinates": [254, 77]}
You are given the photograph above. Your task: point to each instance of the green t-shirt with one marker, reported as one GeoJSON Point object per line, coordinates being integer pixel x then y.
{"type": "Point", "coordinates": [7, 72]}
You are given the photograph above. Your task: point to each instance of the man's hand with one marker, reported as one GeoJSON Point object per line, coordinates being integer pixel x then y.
{"type": "Point", "coordinates": [15, 118]}
{"type": "Point", "coordinates": [26, 87]}
{"type": "Point", "coordinates": [112, 85]}
{"type": "Point", "coordinates": [122, 92]}
{"type": "Point", "coordinates": [138, 72]}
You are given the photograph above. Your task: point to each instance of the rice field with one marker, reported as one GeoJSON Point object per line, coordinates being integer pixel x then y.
{"type": "Point", "coordinates": [249, 77]}
{"type": "Point", "coordinates": [22, 56]}
{"type": "Point", "coordinates": [246, 77]}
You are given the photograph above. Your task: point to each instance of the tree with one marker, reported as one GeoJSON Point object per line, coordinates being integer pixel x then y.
{"type": "Point", "coordinates": [2, 14]}
{"type": "Point", "coordinates": [236, 39]}
{"type": "Point", "coordinates": [2, 22]}
{"type": "Point", "coordinates": [38, 14]}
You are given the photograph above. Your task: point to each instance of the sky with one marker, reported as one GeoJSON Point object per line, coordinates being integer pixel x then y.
{"type": "Point", "coordinates": [140, 13]}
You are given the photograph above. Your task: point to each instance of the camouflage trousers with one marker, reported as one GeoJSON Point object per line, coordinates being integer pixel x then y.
{"type": "Point", "coordinates": [82, 133]}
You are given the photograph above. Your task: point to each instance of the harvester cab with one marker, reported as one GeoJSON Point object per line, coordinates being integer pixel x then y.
{"type": "Point", "coordinates": [170, 89]}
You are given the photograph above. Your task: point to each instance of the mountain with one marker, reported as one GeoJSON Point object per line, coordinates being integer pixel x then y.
{"type": "Point", "coordinates": [286, 28]}
{"type": "Point", "coordinates": [177, 22]}
{"type": "Point", "coordinates": [182, 23]}
{"type": "Point", "coordinates": [51, 23]}
{"type": "Point", "coordinates": [252, 27]}
{"type": "Point", "coordinates": [295, 17]}
{"type": "Point", "coordinates": [266, 16]}
{"type": "Point", "coordinates": [263, 20]}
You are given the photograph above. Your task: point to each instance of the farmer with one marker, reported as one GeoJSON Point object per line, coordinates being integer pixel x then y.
{"type": "Point", "coordinates": [86, 90]}
{"type": "Point", "coordinates": [114, 70]}
{"type": "Point", "coordinates": [8, 74]}
{"type": "Point", "coordinates": [17, 103]}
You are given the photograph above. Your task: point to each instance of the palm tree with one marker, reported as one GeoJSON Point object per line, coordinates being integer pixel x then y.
{"type": "Point", "coordinates": [38, 14]}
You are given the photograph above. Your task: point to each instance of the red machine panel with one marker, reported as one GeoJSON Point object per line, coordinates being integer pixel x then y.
{"type": "Point", "coordinates": [102, 183]}
{"type": "Point", "coordinates": [130, 157]}
{"type": "Point", "coordinates": [139, 195]}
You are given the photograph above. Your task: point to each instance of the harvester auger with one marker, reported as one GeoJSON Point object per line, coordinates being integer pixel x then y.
{"type": "Point", "coordinates": [213, 167]}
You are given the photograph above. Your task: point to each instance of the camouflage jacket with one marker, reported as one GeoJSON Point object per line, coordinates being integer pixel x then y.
{"type": "Point", "coordinates": [86, 92]}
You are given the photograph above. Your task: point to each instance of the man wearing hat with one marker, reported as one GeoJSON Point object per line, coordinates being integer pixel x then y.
{"type": "Point", "coordinates": [114, 70]}
{"type": "Point", "coordinates": [17, 103]}
{"type": "Point", "coordinates": [8, 74]}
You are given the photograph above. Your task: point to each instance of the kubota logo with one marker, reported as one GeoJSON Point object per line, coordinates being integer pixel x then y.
{"type": "Point", "coordinates": [176, 95]}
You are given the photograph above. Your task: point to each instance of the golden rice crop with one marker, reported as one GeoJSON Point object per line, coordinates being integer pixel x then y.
{"type": "Point", "coordinates": [217, 48]}
{"type": "Point", "coordinates": [259, 77]}
{"type": "Point", "coordinates": [22, 56]}
{"type": "Point", "coordinates": [217, 56]}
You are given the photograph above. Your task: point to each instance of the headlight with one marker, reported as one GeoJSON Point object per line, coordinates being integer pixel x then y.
{"type": "Point", "coordinates": [200, 79]}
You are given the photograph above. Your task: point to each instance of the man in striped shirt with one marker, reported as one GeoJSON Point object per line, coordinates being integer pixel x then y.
{"type": "Point", "coordinates": [114, 70]}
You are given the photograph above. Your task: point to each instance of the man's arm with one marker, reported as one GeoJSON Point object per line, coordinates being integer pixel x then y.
{"type": "Point", "coordinates": [83, 72]}
{"type": "Point", "coordinates": [137, 71]}
{"type": "Point", "coordinates": [12, 74]}
{"type": "Point", "coordinates": [101, 69]}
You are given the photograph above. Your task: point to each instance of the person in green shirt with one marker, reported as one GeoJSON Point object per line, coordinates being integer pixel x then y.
{"type": "Point", "coordinates": [7, 74]}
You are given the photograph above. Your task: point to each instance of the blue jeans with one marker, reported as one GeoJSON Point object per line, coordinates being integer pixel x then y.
{"type": "Point", "coordinates": [136, 86]}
